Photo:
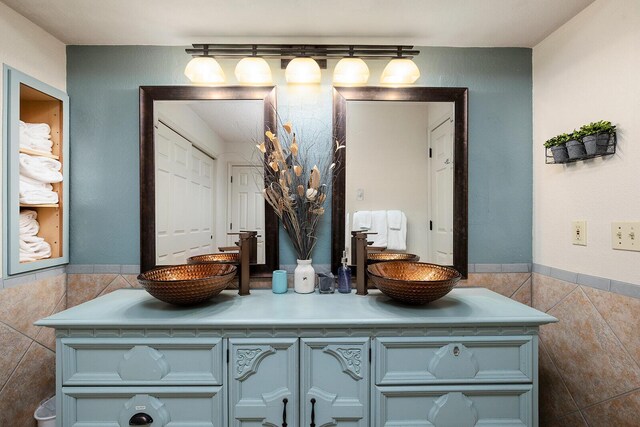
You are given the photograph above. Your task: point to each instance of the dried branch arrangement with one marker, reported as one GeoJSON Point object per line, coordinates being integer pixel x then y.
{"type": "Point", "coordinates": [297, 179]}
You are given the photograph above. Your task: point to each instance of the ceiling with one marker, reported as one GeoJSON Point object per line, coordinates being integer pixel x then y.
{"type": "Point", "coordinates": [481, 23]}
{"type": "Point", "coordinates": [233, 120]}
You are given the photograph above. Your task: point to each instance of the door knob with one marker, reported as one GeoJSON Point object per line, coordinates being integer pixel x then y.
{"type": "Point", "coordinates": [140, 419]}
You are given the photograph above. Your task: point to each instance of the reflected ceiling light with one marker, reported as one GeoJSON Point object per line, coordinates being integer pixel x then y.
{"type": "Point", "coordinates": [204, 70]}
{"type": "Point", "coordinates": [253, 70]}
{"type": "Point", "coordinates": [303, 70]}
{"type": "Point", "coordinates": [351, 71]}
{"type": "Point", "coordinates": [400, 71]}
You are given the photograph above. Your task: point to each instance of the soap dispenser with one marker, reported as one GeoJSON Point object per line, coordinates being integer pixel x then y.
{"type": "Point", "coordinates": [344, 276]}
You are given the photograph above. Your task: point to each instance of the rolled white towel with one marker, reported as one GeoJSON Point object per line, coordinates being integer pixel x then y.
{"type": "Point", "coordinates": [32, 192]}
{"type": "Point", "coordinates": [28, 224]}
{"type": "Point", "coordinates": [38, 144]}
{"type": "Point", "coordinates": [41, 169]}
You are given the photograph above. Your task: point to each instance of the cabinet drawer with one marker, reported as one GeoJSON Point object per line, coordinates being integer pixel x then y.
{"type": "Point", "coordinates": [142, 361]}
{"type": "Point", "coordinates": [167, 406]}
{"type": "Point", "coordinates": [464, 360]}
{"type": "Point", "coordinates": [460, 406]}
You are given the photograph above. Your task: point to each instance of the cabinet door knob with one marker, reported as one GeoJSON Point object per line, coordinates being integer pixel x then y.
{"type": "Point", "coordinates": [140, 419]}
{"type": "Point", "coordinates": [313, 413]}
{"type": "Point", "coordinates": [284, 412]}
{"type": "Point", "coordinates": [456, 351]}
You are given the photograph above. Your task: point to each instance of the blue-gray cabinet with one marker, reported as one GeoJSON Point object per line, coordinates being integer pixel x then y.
{"type": "Point", "coordinates": [31, 101]}
{"type": "Point", "coordinates": [292, 360]}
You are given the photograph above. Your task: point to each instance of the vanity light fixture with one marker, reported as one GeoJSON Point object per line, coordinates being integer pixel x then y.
{"type": "Point", "coordinates": [204, 70]}
{"type": "Point", "coordinates": [253, 70]}
{"type": "Point", "coordinates": [400, 71]}
{"type": "Point", "coordinates": [302, 62]}
{"type": "Point", "coordinates": [303, 70]}
{"type": "Point", "coordinates": [351, 71]}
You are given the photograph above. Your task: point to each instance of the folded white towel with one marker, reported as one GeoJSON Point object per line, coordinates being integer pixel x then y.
{"type": "Point", "coordinates": [33, 248]}
{"type": "Point", "coordinates": [38, 130]}
{"type": "Point", "coordinates": [41, 169]}
{"type": "Point", "coordinates": [379, 226]}
{"type": "Point", "coordinates": [361, 220]}
{"type": "Point", "coordinates": [395, 219]}
{"type": "Point", "coordinates": [32, 192]}
{"type": "Point", "coordinates": [38, 144]}
{"type": "Point", "coordinates": [397, 239]}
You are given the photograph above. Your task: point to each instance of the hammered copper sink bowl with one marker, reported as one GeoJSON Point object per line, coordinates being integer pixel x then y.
{"type": "Point", "coordinates": [390, 256]}
{"type": "Point", "coordinates": [224, 257]}
{"type": "Point", "coordinates": [413, 282]}
{"type": "Point", "coordinates": [187, 284]}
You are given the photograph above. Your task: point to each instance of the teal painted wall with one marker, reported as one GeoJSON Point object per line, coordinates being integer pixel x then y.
{"type": "Point", "coordinates": [103, 82]}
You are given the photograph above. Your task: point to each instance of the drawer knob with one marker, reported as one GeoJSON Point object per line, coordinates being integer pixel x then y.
{"type": "Point", "coordinates": [140, 419]}
{"type": "Point", "coordinates": [456, 351]}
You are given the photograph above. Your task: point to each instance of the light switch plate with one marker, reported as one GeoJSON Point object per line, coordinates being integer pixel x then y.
{"type": "Point", "coordinates": [579, 233]}
{"type": "Point", "coordinates": [625, 236]}
{"type": "Point", "coordinates": [360, 194]}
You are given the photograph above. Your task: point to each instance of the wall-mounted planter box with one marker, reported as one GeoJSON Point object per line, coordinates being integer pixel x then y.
{"type": "Point", "coordinates": [594, 146]}
{"type": "Point", "coordinates": [29, 100]}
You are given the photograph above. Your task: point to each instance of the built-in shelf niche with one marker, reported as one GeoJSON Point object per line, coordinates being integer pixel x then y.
{"type": "Point", "coordinates": [32, 101]}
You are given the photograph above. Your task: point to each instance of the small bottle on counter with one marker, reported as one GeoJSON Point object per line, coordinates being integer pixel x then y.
{"type": "Point", "coordinates": [344, 276]}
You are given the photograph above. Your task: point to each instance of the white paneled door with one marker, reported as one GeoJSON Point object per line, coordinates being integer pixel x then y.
{"type": "Point", "coordinates": [246, 207]}
{"type": "Point", "coordinates": [441, 195]}
{"type": "Point", "coordinates": [184, 198]}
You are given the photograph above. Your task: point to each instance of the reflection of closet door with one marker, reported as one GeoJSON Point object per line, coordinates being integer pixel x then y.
{"type": "Point", "coordinates": [441, 140]}
{"type": "Point", "coordinates": [263, 382]}
{"type": "Point", "coordinates": [246, 204]}
{"type": "Point", "coordinates": [184, 198]}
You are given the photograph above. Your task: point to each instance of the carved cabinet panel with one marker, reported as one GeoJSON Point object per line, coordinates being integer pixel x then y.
{"type": "Point", "coordinates": [335, 382]}
{"type": "Point", "coordinates": [263, 382]}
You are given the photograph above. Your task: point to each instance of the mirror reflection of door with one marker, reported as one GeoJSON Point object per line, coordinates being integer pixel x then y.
{"type": "Point", "coordinates": [390, 169]}
{"type": "Point", "coordinates": [196, 145]}
{"type": "Point", "coordinates": [441, 194]}
{"type": "Point", "coordinates": [246, 204]}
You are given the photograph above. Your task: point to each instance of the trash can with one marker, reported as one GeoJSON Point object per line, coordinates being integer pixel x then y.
{"type": "Point", "coordinates": [46, 413]}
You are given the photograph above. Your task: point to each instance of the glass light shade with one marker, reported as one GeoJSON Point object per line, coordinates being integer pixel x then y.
{"type": "Point", "coordinates": [204, 70]}
{"type": "Point", "coordinates": [303, 70]}
{"type": "Point", "coordinates": [253, 71]}
{"type": "Point", "coordinates": [400, 71]}
{"type": "Point", "coordinates": [351, 71]}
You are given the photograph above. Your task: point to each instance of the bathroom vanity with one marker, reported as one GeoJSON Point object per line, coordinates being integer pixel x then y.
{"type": "Point", "coordinates": [470, 358]}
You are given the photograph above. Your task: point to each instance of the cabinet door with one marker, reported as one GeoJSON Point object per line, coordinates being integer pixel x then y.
{"type": "Point", "coordinates": [335, 374]}
{"type": "Point", "coordinates": [263, 382]}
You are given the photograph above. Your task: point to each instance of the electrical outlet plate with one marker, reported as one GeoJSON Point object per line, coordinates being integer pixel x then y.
{"type": "Point", "coordinates": [625, 236]}
{"type": "Point", "coordinates": [579, 230]}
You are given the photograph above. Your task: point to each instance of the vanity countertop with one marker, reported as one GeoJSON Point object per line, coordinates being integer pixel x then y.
{"type": "Point", "coordinates": [136, 308]}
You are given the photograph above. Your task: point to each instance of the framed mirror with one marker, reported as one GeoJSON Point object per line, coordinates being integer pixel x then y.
{"type": "Point", "coordinates": [198, 176]}
{"type": "Point", "coordinates": [404, 172]}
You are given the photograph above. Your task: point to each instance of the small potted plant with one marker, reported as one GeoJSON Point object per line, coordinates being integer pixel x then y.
{"type": "Point", "coordinates": [575, 147]}
{"type": "Point", "coordinates": [558, 147]}
{"type": "Point", "coordinates": [596, 136]}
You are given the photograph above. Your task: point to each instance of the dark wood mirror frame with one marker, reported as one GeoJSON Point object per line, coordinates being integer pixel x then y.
{"type": "Point", "coordinates": [459, 97]}
{"type": "Point", "coordinates": [149, 94]}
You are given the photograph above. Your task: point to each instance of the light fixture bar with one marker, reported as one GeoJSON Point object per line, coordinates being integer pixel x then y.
{"type": "Point", "coordinates": [302, 50]}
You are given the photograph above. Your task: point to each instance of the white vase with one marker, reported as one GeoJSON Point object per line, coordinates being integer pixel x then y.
{"type": "Point", "coordinates": [304, 277]}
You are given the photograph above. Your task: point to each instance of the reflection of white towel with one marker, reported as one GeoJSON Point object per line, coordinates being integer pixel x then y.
{"type": "Point", "coordinates": [395, 219]}
{"type": "Point", "coordinates": [361, 220]}
{"type": "Point", "coordinates": [41, 169]}
{"type": "Point", "coordinates": [32, 192]}
{"type": "Point", "coordinates": [397, 239]}
{"type": "Point", "coordinates": [379, 226]}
